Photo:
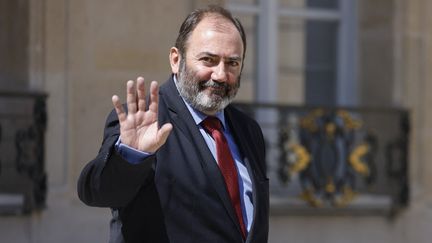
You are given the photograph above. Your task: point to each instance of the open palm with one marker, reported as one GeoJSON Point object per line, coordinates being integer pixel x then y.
{"type": "Point", "coordinates": [139, 127]}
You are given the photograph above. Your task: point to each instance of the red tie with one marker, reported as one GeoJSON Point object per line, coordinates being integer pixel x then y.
{"type": "Point", "coordinates": [226, 164]}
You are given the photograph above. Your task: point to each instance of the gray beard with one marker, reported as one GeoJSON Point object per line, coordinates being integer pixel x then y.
{"type": "Point", "coordinates": [193, 91]}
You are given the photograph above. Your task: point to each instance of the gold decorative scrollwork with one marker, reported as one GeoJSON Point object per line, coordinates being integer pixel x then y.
{"type": "Point", "coordinates": [355, 159]}
{"type": "Point", "coordinates": [302, 158]}
{"type": "Point", "coordinates": [322, 150]}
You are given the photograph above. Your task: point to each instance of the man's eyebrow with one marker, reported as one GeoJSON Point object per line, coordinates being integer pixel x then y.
{"type": "Point", "coordinates": [207, 54]}
{"type": "Point", "coordinates": [233, 58]}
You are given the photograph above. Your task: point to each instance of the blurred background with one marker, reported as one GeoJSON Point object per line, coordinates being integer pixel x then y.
{"type": "Point", "coordinates": [325, 78]}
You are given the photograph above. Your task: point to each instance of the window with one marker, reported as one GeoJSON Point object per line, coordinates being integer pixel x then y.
{"type": "Point", "coordinates": [302, 51]}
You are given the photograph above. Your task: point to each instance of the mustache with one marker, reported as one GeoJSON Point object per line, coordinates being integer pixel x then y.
{"type": "Point", "coordinates": [213, 84]}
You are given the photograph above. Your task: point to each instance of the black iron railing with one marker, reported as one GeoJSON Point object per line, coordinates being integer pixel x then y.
{"type": "Point", "coordinates": [23, 120]}
{"type": "Point", "coordinates": [335, 160]}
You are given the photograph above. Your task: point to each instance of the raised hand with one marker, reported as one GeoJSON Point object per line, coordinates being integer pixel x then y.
{"type": "Point", "coordinates": [139, 128]}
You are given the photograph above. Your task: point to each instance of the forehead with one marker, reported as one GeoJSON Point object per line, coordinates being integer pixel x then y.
{"type": "Point", "coordinates": [215, 35]}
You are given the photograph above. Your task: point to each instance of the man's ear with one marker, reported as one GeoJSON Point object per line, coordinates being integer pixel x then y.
{"type": "Point", "coordinates": [174, 57]}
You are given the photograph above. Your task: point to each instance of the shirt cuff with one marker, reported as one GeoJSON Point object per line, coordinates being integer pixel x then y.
{"type": "Point", "coordinates": [131, 155]}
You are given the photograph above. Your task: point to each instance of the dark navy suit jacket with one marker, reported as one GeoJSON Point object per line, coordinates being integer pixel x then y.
{"type": "Point", "coordinates": [178, 194]}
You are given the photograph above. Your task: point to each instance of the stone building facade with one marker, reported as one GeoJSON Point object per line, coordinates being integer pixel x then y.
{"type": "Point", "coordinates": [81, 52]}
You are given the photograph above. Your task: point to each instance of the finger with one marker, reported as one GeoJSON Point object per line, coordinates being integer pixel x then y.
{"type": "Point", "coordinates": [141, 94]}
{"type": "Point", "coordinates": [164, 132]}
{"type": "Point", "coordinates": [118, 108]}
{"type": "Point", "coordinates": [131, 97]}
{"type": "Point", "coordinates": [154, 97]}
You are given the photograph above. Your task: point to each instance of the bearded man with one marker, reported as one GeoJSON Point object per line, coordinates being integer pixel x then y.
{"type": "Point", "coordinates": [187, 166]}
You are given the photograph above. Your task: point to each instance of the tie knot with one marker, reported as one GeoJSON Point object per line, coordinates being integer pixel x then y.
{"type": "Point", "coordinates": [212, 123]}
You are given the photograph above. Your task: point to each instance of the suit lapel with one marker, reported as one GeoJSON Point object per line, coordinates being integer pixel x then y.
{"type": "Point", "coordinates": [178, 112]}
{"type": "Point", "coordinates": [240, 133]}
{"type": "Point", "coordinates": [183, 121]}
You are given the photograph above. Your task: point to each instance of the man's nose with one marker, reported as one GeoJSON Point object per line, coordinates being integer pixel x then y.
{"type": "Point", "coordinates": [220, 73]}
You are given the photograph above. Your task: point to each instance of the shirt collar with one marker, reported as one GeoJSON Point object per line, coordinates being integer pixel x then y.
{"type": "Point", "coordinates": [197, 115]}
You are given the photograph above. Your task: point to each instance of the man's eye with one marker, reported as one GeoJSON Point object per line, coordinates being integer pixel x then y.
{"type": "Point", "coordinates": [234, 63]}
{"type": "Point", "coordinates": [207, 59]}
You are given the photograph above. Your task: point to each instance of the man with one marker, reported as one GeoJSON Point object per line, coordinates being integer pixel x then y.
{"type": "Point", "coordinates": [188, 167]}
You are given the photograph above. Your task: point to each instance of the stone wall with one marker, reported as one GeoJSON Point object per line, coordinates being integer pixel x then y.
{"type": "Point", "coordinates": [89, 48]}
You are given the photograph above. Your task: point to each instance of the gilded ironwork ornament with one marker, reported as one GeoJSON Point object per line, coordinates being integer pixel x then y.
{"type": "Point", "coordinates": [329, 151]}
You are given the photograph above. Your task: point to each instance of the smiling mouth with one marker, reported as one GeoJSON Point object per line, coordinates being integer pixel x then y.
{"type": "Point", "coordinates": [220, 88]}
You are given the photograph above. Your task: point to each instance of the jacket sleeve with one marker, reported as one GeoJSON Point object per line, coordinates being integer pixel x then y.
{"type": "Point", "coordinates": [109, 180]}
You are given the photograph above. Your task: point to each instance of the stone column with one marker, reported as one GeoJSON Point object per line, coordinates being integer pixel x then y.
{"type": "Point", "coordinates": [414, 62]}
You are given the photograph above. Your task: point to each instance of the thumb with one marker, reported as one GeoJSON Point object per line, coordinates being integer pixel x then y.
{"type": "Point", "coordinates": [164, 132]}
